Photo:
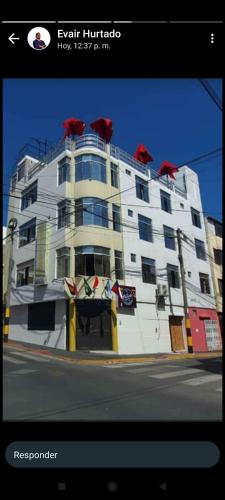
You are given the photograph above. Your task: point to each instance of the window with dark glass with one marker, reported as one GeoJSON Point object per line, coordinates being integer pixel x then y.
{"type": "Point", "coordinates": [63, 262]}
{"type": "Point", "coordinates": [91, 211]}
{"type": "Point", "coordinates": [220, 286]}
{"type": "Point", "coordinates": [173, 276]}
{"type": "Point", "coordinates": [128, 172]}
{"type": "Point", "coordinates": [92, 260]}
{"type": "Point", "coordinates": [64, 214]}
{"type": "Point", "coordinates": [116, 218]}
{"type": "Point", "coordinates": [27, 232]}
{"type": "Point", "coordinates": [118, 265]}
{"type": "Point", "coordinates": [196, 219]}
{"type": "Point", "coordinates": [13, 183]}
{"type": "Point", "coordinates": [218, 256]}
{"type": "Point", "coordinates": [130, 213]}
{"type": "Point", "coordinates": [133, 257]}
{"type": "Point", "coordinates": [200, 249]}
{"type": "Point", "coordinates": [41, 316]}
{"type": "Point", "coordinates": [29, 196]}
{"type": "Point", "coordinates": [114, 175]}
{"type": "Point", "coordinates": [21, 171]}
{"type": "Point", "coordinates": [89, 166]}
{"type": "Point", "coordinates": [165, 201]}
{"type": "Point", "coordinates": [145, 228]}
{"type": "Point", "coordinates": [141, 189]}
{"type": "Point", "coordinates": [218, 229]}
{"type": "Point", "coordinates": [25, 273]}
{"type": "Point", "coordinates": [169, 237]}
{"type": "Point", "coordinates": [204, 283]}
{"type": "Point", "coordinates": [148, 270]}
{"type": "Point", "coordinates": [64, 170]}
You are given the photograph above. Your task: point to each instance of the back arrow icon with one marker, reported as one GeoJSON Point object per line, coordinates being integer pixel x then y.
{"type": "Point", "coordinates": [11, 39]}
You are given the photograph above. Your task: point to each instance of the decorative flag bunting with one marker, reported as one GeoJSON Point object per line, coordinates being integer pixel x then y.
{"type": "Point", "coordinates": [108, 290]}
{"type": "Point", "coordinates": [117, 291]}
{"type": "Point", "coordinates": [142, 154]}
{"type": "Point", "coordinates": [96, 283]}
{"type": "Point", "coordinates": [73, 127]}
{"type": "Point", "coordinates": [167, 168]}
{"type": "Point", "coordinates": [87, 288]}
{"type": "Point", "coordinates": [103, 127]}
{"type": "Point", "coordinates": [70, 288]}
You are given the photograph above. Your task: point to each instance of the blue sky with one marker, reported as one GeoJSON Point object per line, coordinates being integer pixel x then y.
{"type": "Point", "coordinates": [175, 118]}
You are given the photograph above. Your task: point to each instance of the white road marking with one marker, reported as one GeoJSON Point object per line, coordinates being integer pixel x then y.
{"type": "Point", "coordinates": [202, 380]}
{"type": "Point", "coordinates": [24, 371]}
{"type": "Point", "coordinates": [146, 369]}
{"type": "Point", "coordinates": [178, 373]}
{"type": "Point", "coordinates": [30, 356]}
{"type": "Point", "coordinates": [122, 365]}
{"type": "Point", "coordinates": [13, 360]}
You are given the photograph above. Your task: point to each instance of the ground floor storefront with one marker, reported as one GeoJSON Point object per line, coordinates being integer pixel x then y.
{"type": "Point", "coordinates": [99, 325]}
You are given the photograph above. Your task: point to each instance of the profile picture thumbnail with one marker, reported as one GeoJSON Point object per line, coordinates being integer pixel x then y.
{"type": "Point", "coordinates": [38, 38]}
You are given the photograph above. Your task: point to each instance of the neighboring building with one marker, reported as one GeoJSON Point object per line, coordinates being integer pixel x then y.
{"type": "Point", "coordinates": [110, 216]}
{"type": "Point", "coordinates": [4, 231]}
{"type": "Point", "coordinates": [214, 234]}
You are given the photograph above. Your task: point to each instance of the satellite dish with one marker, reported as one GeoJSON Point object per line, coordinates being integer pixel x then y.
{"type": "Point", "coordinates": [12, 224]}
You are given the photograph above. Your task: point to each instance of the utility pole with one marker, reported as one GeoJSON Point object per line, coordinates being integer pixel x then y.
{"type": "Point", "coordinates": [12, 226]}
{"type": "Point", "coordinates": [182, 272]}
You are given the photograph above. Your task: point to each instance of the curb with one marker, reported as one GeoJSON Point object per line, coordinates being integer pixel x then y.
{"type": "Point", "coordinates": [107, 361]}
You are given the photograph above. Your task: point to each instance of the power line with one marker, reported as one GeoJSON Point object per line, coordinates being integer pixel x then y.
{"type": "Point", "coordinates": [210, 91]}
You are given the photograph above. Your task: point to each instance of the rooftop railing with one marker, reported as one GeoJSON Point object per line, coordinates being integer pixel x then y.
{"type": "Point", "coordinates": [94, 141]}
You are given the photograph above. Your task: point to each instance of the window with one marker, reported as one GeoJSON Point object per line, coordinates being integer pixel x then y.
{"type": "Point", "coordinates": [116, 218]}
{"type": "Point", "coordinates": [63, 262]}
{"type": "Point", "coordinates": [91, 261]}
{"type": "Point", "coordinates": [189, 274]}
{"type": "Point", "coordinates": [148, 270]}
{"type": "Point", "coordinates": [165, 201]}
{"type": "Point", "coordinates": [41, 316]}
{"type": "Point", "coordinates": [220, 285]}
{"type": "Point", "coordinates": [90, 167]}
{"type": "Point", "coordinates": [64, 210]}
{"type": "Point", "coordinates": [13, 183]}
{"type": "Point", "coordinates": [21, 171]}
{"type": "Point", "coordinates": [128, 172]}
{"type": "Point", "coordinates": [218, 256]}
{"type": "Point", "coordinates": [181, 205]}
{"type": "Point", "coordinates": [145, 228]}
{"type": "Point", "coordinates": [29, 196]}
{"type": "Point", "coordinates": [114, 175]}
{"type": "Point", "coordinates": [196, 219]}
{"type": "Point", "coordinates": [141, 189]}
{"type": "Point", "coordinates": [118, 265]}
{"type": "Point", "coordinates": [25, 273]}
{"type": "Point", "coordinates": [130, 213]}
{"type": "Point", "coordinates": [218, 229]}
{"type": "Point", "coordinates": [200, 249]}
{"type": "Point", "coordinates": [91, 211]}
{"type": "Point", "coordinates": [169, 238]}
{"type": "Point", "coordinates": [173, 276]}
{"type": "Point", "coordinates": [64, 170]}
{"type": "Point", "coordinates": [27, 232]}
{"type": "Point", "coordinates": [204, 283]}
{"type": "Point", "coordinates": [133, 257]}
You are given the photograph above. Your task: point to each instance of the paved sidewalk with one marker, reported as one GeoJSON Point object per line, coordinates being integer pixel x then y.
{"type": "Point", "coordinates": [100, 358]}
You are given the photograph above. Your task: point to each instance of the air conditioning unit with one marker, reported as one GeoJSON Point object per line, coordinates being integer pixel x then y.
{"type": "Point", "coordinates": [162, 290]}
{"type": "Point", "coordinates": [40, 281]}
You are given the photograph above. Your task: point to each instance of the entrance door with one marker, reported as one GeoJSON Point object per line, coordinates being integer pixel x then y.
{"type": "Point", "coordinates": [94, 325]}
{"type": "Point", "coordinates": [176, 333]}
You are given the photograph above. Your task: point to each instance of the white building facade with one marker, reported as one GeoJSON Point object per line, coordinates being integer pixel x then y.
{"type": "Point", "coordinates": [88, 210]}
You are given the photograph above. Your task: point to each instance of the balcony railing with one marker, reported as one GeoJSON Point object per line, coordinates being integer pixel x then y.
{"type": "Point", "coordinates": [93, 141]}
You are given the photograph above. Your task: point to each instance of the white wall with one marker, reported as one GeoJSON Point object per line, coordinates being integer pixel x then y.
{"type": "Point", "coordinates": [18, 327]}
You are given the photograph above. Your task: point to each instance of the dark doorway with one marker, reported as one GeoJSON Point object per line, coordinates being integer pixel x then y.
{"type": "Point", "coordinates": [94, 325]}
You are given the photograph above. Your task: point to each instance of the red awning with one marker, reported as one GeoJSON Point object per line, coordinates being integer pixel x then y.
{"type": "Point", "coordinates": [167, 168]}
{"type": "Point", "coordinates": [103, 127]}
{"type": "Point", "coordinates": [142, 154]}
{"type": "Point", "coordinates": [73, 126]}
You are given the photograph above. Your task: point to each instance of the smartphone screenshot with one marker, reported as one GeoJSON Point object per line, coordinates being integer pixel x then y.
{"type": "Point", "coordinates": [112, 257]}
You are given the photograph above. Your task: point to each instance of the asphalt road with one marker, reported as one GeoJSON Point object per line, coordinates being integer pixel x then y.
{"type": "Point", "coordinates": [38, 388]}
